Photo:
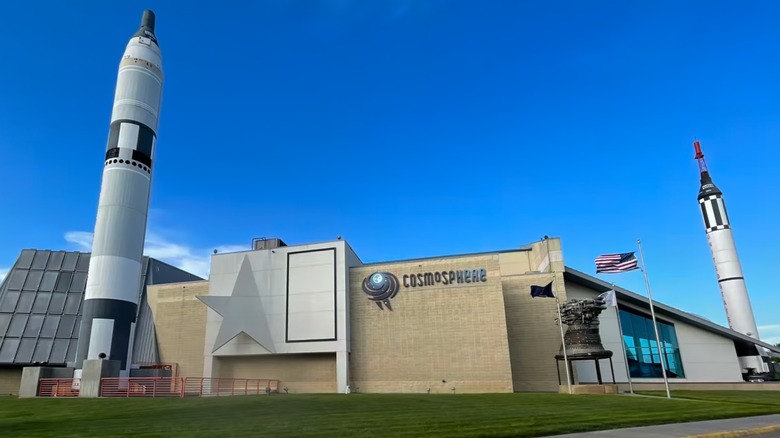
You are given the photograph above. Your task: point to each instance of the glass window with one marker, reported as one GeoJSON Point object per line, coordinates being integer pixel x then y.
{"type": "Point", "coordinates": [55, 261]}
{"type": "Point", "coordinates": [8, 350]}
{"type": "Point", "coordinates": [69, 263]}
{"type": "Point", "coordinates": [63, 282]}
{"type": "Point", "coordinates": [644, 354]}
{"type": "Point", "coordinates": [72, 304]}
{"type": "Point", "coordinates": [9, 301]}
{"type": "Point", "coordinates": [5, 319]}
{"type": "Point", "coordinates": [25, 302]}
{"type": "Point", "coordinates": [50, 324]}
{"type": "Point", "coordinates": [79, 281]}
{"type": "Point", "coordinates": [17, 325]}
{"type": "Point", "coordinates": [16, 279]}
{"type": "Point", "coordinates": [33, 326]}
{"type": "Point", "coordinates": [49, 280]}
{"type": "Point", "coordinates": [83, 263]}
{"type": "Point", "coordinates": [39, 262]}
{"type": "Point", "coordinates": [71, 351]}
{"type": "Point", "coordinates": [33, 280]}
{"type": "Point", "coordinates": [66, 326]}
{"type": "Point", "coordinates": [42, 350]}
{"type": "Point", "coordinates": [59, 351]}
{"type": "Point", "coordinates": [76, 328]}
{"type": "Point", "coordinates": [25, 259]}
{"type": "Point", "coordinates": [41, 302]}
{"type": "Point", "coordinates": [26, 347]}
{"type": "Point", "coordinates": [57, 303]}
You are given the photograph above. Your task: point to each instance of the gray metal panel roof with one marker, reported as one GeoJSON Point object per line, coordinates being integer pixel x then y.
{"type": "Point", "coordinates": [641, 301]}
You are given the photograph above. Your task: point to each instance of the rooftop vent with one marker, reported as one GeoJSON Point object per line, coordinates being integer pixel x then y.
{"type": "Point", "coordinates": [267, 243]}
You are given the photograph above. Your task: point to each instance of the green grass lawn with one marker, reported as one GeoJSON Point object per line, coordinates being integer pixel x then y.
{"type": "Point", "coordinates": [370, 415]}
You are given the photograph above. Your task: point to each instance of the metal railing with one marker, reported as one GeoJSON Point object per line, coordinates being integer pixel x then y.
{"type": "Point", "coordinates": [59, 387]}
{"type": "Point", "coordinates": [205, 386]}
{"type": "Point", "coordinates": [141, 387]}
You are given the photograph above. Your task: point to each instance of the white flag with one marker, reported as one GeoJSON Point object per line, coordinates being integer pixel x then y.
{"type": "Point", "coordinates": [610, 299]}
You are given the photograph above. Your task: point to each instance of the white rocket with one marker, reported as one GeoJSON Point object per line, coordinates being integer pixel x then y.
{"type": "Point", "coordinates": [727, 266]}
{"type": "Point", "coordinates": [113, 284]}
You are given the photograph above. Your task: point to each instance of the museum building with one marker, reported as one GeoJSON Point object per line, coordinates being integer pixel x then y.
{"type": "Point", "coordinates": [318, 319]}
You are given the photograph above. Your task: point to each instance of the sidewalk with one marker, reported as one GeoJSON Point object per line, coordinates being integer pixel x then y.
{"type": "Point", "coordinates": [765, 425]}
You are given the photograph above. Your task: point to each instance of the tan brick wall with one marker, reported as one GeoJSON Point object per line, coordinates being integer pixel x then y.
{"type": "Point", "coordinates": [436, 337]}
{"type": "Point", "coordinates": [300, 373]}
{"type": "Point", "coordinates": [10, 379]}
{"type": "Point", "coordinates": [180, 323]}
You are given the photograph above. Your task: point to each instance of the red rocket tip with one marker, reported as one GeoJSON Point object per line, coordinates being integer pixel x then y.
{"type": "Point", "coordinates": [697, 148]}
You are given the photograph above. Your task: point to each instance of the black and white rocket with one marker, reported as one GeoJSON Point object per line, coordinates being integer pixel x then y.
{"type": "Point", "coordinates": [113, 285]}
{"type": "Point", "coordinates": [724, 254]}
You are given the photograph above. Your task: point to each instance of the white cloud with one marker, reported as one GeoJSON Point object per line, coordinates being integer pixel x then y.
{"type": "Point", "coordinates": [193, 260]}
{"type": "Point", "coordinates": [770, 333]}
{"type": "Point", "coordinates": [3, 273]}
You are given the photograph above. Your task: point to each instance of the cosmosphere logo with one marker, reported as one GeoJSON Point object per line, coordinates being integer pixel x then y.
{"type": "Point", "coordinates": [380, 287]}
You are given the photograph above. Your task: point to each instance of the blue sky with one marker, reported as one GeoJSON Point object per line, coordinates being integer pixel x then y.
{"type": "Point", "coordinates": [412, 128]}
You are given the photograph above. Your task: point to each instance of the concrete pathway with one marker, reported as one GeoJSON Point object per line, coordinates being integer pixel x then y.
{"type": "Point", "coordinates": [764, 426]}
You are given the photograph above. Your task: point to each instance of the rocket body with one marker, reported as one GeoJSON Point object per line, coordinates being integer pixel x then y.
{"type": "Point", "coordinates": [728, 268]}
{"type": "Point", "coordinates": [113, 285]}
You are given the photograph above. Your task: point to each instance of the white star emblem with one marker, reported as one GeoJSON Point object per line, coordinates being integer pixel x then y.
{"type": "Point", "coordinates": [242, 311]}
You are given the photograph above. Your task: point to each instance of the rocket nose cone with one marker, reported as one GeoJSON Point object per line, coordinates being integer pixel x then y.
{"type": "Point", "coordinates": [147, 20]}
{"type": "Point", "coordinates": [707, 187]}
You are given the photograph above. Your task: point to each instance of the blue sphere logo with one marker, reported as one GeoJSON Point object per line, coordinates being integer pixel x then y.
{"type": "Point", "coordinates": [380, 288]}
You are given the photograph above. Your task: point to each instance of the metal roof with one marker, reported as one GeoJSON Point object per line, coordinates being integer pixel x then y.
{"type": "Point", "coordinates": [641, 301]}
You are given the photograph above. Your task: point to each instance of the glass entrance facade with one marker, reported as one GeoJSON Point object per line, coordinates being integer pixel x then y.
{"type": "Point", "coordinates": [644, 357]}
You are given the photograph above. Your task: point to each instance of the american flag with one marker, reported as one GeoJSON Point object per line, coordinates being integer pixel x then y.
{"type": "Point", "coordinates": [616, 263]}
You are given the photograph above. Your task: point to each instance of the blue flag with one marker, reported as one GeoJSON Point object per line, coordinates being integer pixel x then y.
{"type": "Point", "coordinates": [542, 291]}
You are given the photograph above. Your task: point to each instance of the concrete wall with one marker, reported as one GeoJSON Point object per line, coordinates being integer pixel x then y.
{"type": "Point", "coordinates": [10, 379]}
{"type": "Point", "coordinates": [180, 324]}
{"type": "Point", "coordinates": [436, 336]}
{"type": "Point", "coordinates": [300, 373]}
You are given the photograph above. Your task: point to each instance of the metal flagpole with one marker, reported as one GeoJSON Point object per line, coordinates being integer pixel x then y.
{"type": "Point", "coordinates": [560, 320]}
{"type": "Point", "coordinates": [655, 325]}
{"type": "Point", "coordinates": [622, 342]}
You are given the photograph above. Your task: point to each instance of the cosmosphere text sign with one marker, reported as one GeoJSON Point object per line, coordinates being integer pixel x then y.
{"type": "Point", "coordinates": [445, 277]}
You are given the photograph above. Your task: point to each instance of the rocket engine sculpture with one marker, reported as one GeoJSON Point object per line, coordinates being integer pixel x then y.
{"type": "Point", "coordinates": [113, 285]}
{"type": "Point", "coordinates": [582, 337]}
{"type": "Point", "coordinates": [727, 265]}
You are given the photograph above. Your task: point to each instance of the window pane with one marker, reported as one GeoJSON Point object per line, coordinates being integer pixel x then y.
{"type": "Point", "coordinates": [59, 351]}
{"type": "Point", "coordinates": [33, 326]}
{"type": "Point", "coordinates": [57, 303]}
{"type": "Point", "coordinates": [55, 261]}
{"type": "Point", "coordinates": [26, 258]}
{"type": "Point", "coordinates": [16, 279]}
{"type": "Point", "coordinates": [42, 350]}
{"type": "Point", "coordinates": [39, 262]}
{"type": "Point", "coordinates": [76, 328]}
{"type": "Point", "coordinates": [17, 325]}
{"type": "Point", "coordinates": [66, 326]}
{"type": "Point", "coordinates": [83, 264]}
{"type": "Point", "coordinates": [24, 355]}
{"type": "Point", "coordinates": [50, 326]}
{"type": "Point", "coordinates": [41, 302]}
{"type": "Point", "coordinates": [9, 301]}
{"type": "Point", "coordinates": [8, 350]}
{"type": "Point", "coordinates": [5, 319]}
{"type": "Point", "coordinates": [33, 280]}
{"type": "Point", "coordinates": [49, 280]}
{"type": "Point", "coordinates": [71, 351]}
{"type": "Point", "coordinates": [25, 302]}
{"type": "Point", "coordinates": [79, 281]}
{"type": "Point", "coordinates": [63, 283]}
{"type": "Point", "coordinates": [69, 263]}
{"type": "Point", "coordinates": [72, 304]}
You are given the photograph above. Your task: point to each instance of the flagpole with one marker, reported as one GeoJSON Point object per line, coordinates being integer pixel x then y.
{"type": "Point", "coordinates": [655, 325]}
{"type": "Point", "coordinates": [622, 342]}
{"type": "Point", "coordinates": [563, 341]}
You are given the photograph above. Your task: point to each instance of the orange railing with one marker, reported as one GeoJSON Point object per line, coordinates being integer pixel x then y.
{"type": "Point", "coordinates": [205, 386]}
{"type": "Point", "coordinates": [59, 388]}
{"type": "Point", "coordinates": [140, 387]}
